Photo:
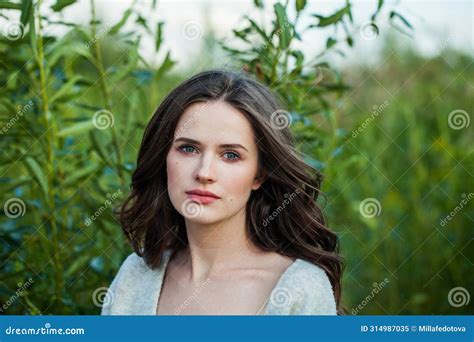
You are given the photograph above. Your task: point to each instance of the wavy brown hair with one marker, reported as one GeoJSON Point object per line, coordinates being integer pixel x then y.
{"type": "Point", "coordinates": [152, 224]}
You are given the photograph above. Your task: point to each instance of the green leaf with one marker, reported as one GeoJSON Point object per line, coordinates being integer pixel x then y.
{"type": "Point", "coordinates": [336, 17]}
{"type": "Point", "coordinates": [283, 26]}
{"type": "Point", "coordinates": [36, 173]}
{"type": "Point", "coordinates": [300, 4]}
{"type": "Point", "coordinates": [142, 21]}
{"type": "Point", "coordinates": [19, 181]}
{"type": "Point", "coordinates": [165, 66]}
{"type": "Point", "coordinates": [126, 70]}
{"type": "Point", "coordinates": [349, 13]}
{"type": "Point", "coordinates": [65, 90]}
{"type": "Point", "coordinates": [12, 80]}
{"type": "Point", "coordinates": [298, 63]}
{"type": "Point", "coordinates": [259, 30]}
{"type": "Point", "coordinates": [299, 57]}
{"type": "Point", "coordinates": [60, 4]}
{"type": "Point", "coordinates": [33, 310]}
{"type": "Point", "coordinates": [33, 39]}
{"type": "Point", "coordinates": [99, 148]}
{"type": "Point", "coordinates": [379, 7]}
{"type": "Point", "coordinates": [242, 34]}
{"type": "Point", "coordinates": [67, 47]}
{"type": "Point", "coordinates": [394, 15]}
{"type": "Point", "coordinates": [78, 264]}
{"type": "Point", "coordinates": [159, 36]}
{"type": "Point", "coordinates": [330, 42]}
{"type": "Point", "coordinates": [77, 128]}
{"type": "Point", "coordinates": [26, 11]}
{"type": "Point", "coordinates": [9, 5]}
{"type": "Point", "coordinates": [116, 28]}
{"type": "Point", "coordinates": [258, 3]}
{"type": "Point", "coordinates": [350, 41]}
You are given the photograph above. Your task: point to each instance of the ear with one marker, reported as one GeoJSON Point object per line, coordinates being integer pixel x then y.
{"type": "Point", "coordinates": [257, 182]}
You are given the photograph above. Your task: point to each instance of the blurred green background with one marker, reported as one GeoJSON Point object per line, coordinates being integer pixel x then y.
{"type": "Point", "coordinates": [393, 138]}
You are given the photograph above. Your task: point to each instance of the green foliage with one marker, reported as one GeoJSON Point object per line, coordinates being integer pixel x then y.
{"type": "Point", "coordinates": [307, 86]}
{"type": "Point", "coordinates": [70, 110]}
{"type": "Point", "coordinates": [407, 157]}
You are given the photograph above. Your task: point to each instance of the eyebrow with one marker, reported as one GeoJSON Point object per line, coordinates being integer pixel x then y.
{"type": "Point", "coordinates": [192, 141]}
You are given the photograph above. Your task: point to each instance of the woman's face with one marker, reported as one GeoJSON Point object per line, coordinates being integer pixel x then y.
{"type": "Point", "coordinates": [213, 150]}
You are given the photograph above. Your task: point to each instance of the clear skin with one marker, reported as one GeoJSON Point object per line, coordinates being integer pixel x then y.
{"type": "Point", "coordinates": [222, 272]}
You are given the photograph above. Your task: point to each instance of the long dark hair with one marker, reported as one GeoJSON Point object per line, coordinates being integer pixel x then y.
{"type": "Point", "coordinates": [282, 215]}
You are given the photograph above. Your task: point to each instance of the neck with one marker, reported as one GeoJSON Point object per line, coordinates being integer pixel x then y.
{"type": "Point", "coordinates": [217, 246]}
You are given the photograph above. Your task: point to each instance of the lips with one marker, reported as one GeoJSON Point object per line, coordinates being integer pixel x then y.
{"type": "Point", "coordinates": [202, 196]}
{"type": "Point", "coordinates": [202, 193]}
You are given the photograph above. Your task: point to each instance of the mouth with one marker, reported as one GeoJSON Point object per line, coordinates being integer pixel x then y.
{"type": "Point", "coordinates": [202, 199]}
{"type": "Point", "coordinates": [201, 196]}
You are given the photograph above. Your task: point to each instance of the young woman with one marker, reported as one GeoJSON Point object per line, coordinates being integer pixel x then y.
{"type": "Point", "coordinates": [222, 214]}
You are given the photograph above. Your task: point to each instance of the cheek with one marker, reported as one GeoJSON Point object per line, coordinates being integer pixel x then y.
{"type": "Point", "coordinates": [173, 169]}
{"type": "Point", "coordinates": [239, 183]}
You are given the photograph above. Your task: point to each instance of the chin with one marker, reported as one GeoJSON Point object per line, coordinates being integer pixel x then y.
{"type": "Point", "coordinates": [203, 219]}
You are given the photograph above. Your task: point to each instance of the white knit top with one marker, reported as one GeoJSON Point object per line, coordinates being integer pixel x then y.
{"type": "Point", "coordinates": [303, 289]}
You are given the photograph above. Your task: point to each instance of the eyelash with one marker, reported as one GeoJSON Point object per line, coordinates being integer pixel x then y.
{"type": "Point", "coordinates": [181, 148]}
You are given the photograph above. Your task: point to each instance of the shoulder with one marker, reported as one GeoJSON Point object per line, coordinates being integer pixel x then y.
{"type": "Point", "coordinates": [305, 289]}
{"type": "Point", "coordinates": [131, 266]}
{"type": "Point", "coordinates": [133, 278]}
{"type": "Point", "coordinates": [136, 265]}
{"type": "Point", "coordinates": [133, 262]}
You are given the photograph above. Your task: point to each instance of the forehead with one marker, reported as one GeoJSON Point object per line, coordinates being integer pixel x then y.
{"type": "Point", "coordinates": [214, 122]}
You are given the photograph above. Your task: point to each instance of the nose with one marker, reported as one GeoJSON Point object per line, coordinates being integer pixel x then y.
{"type": "Point", "coordinates": [205, 172]}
